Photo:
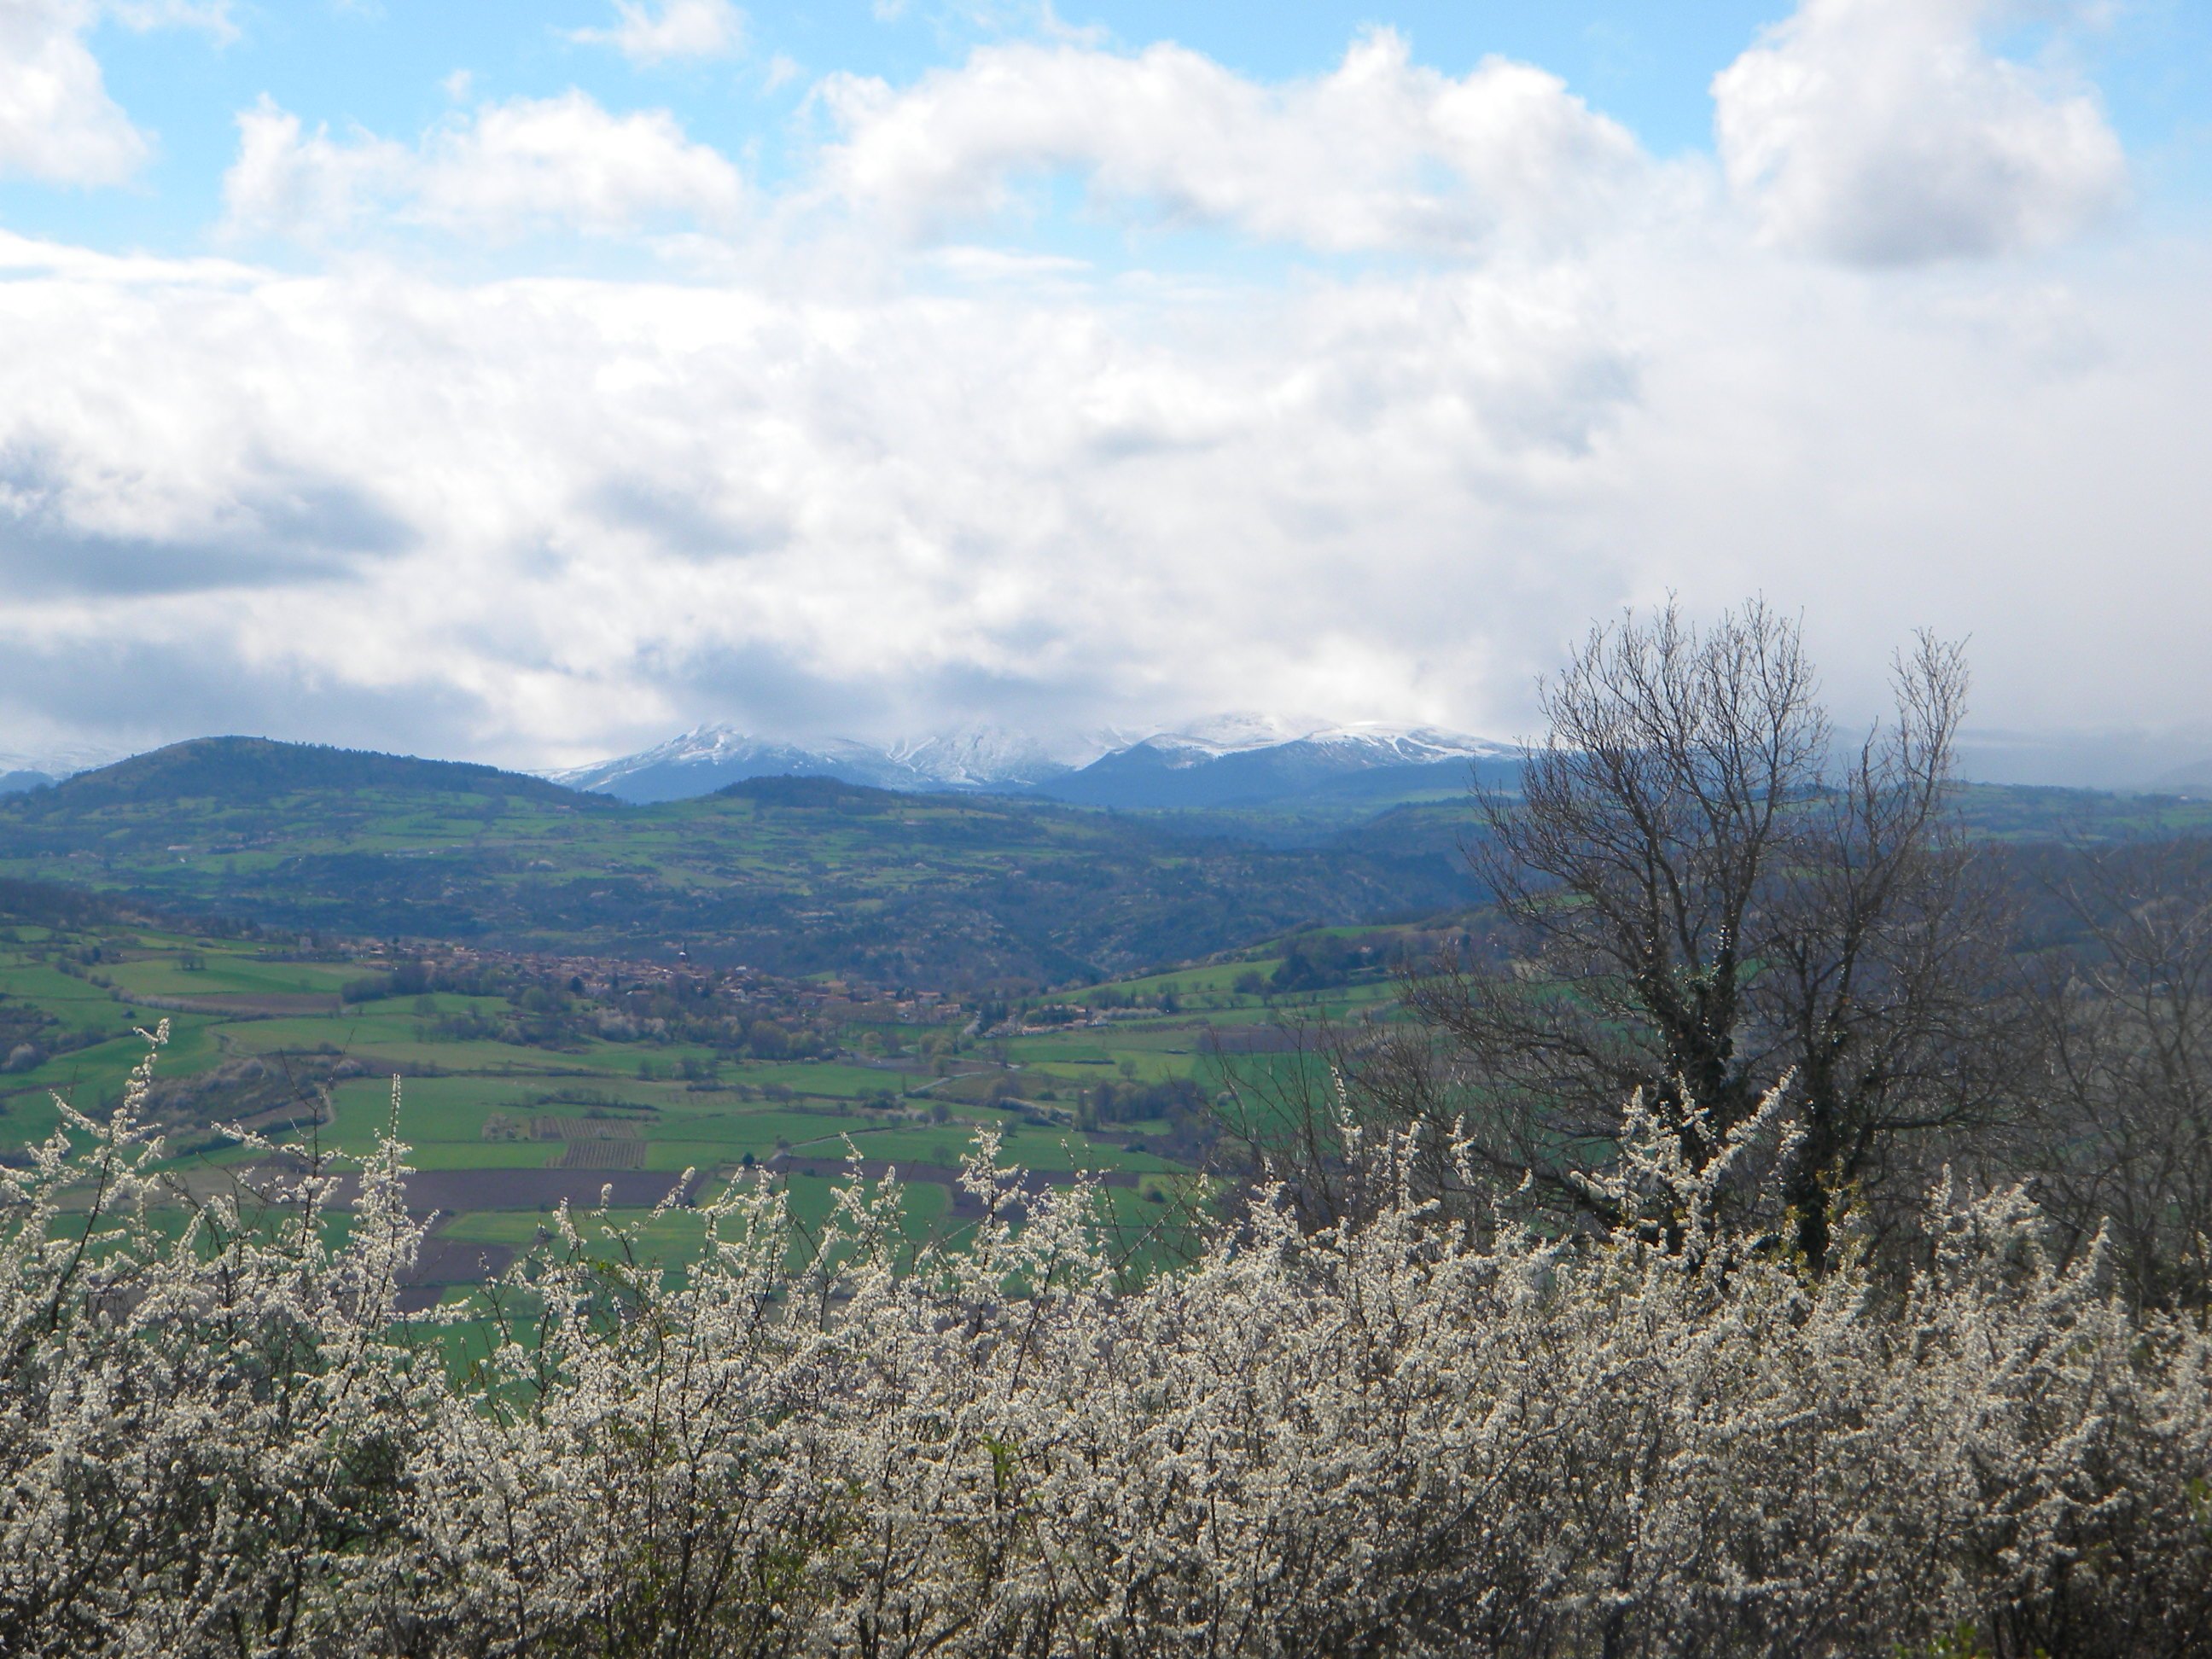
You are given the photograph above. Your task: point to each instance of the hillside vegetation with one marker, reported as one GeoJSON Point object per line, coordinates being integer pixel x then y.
{"type": "Point", "coordinates": [794, 876]}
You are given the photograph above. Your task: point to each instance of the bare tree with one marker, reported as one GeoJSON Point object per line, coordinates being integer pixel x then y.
{"type": "Point", "coordinates": [1707, 902]}
{"type": "Point", "coordinates": [2121, 1134]}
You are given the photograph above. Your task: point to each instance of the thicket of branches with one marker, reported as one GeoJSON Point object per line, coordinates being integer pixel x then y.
{"type": "Point", "coordinates": [1700, 895]}
{"type": "Point", "coordinates": [2117, 1134]}
{"type": "Point", "coordinates": [1401, 1433]}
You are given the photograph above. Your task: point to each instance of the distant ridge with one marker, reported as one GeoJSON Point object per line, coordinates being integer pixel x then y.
{"type": "Point", "coordinates": [2194, 781]}
{"type": "Point", "coordinates": [819, 793]}
{"type": "Point", "coordinates": [243, 771]}
{"type": "Point", "coordinates": [798, 875]}
{"type": "Point", "coordinates": [32, 770]}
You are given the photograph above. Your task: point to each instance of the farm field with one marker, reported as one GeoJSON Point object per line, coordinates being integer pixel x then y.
{"type": "Point", "coordinates": [574, 1015]}
{"type": "Point", "coordinates": [501, 1133]}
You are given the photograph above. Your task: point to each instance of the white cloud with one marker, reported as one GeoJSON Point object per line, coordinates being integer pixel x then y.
{"type": "Point", "coordinates": [546, 518]}
{"type": "Point", "coordinates": [305, 185]}
{"type": "Point", "coordinates": [646, 33]}
{"type": "Point", "coordinates": [831, 488]}
{"type": "Point", "coordinates": [25, 254]}
{"type": "Point", "coordinates": [57, 121]}
{"type": "Point", "coordinates": [1884, 133]}
{"type": "Point", "coordinates": [502, 170]}
{"type": "Point", "coordinates": [1381, 153]}
{"type": "Point", "coordinates": [566, 159]}
{"type": "Point", "coordinates": [569, 504]}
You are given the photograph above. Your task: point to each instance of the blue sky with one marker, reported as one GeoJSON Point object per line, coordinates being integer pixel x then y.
{"type": "Point", "coordinates": [529, 381]}
{"type": "Point", "coordinates": [387, 65]}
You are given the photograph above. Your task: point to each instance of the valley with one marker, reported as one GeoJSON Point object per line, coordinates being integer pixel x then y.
{"type": "Point", "coordinates": [526, 1083]}
{"type": "Point", "coordinates": [795, 974]}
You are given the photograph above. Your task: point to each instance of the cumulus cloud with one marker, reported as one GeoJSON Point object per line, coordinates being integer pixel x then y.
{"type": "Point", "coordinates": [56, 120]}
{"type": "Point", "coordinates": [255, 523]}
{"type": "Point", "coordinates": [570, 514]}
{"type": "Point", "coordinates": [802, 506]}
{"type": "Point", "coordinates": [501, 170]}
{"type": "Point", "coordinates": [532, 521]}
{"type": "Point", "coordinates": [25, 253]}
{"type": "Point", "coordinates": [1884, 132]}
{"type": "Point", "coordinates": [305, 183]}
{"type": "Point", "coordinates": [646, 33]}
{"type": "Point", "coordinates": [1379, 153]}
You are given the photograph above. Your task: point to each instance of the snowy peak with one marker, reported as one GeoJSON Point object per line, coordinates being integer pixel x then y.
{"type": "Point", "coordinates": [1231, 759]}
{"type": "Point", "coordinates": [1244, 760]}
{"type": "Point", "coordinates": [708, 757]}
{"type": "Point", "coordinates": [704, 745]}
{"type": "Point", "coordinates": [977, 757]}
{"type": "Point", "coordinates": [1230, 734]}
{"type": "Point", "coordinates": [705, 758]}
{"type": "Point", "coordinates": [1367, 742]}
{"type": "Point", "coordinates": [1409, 745]}
{"type": "Point", "coordinates": [59, 763]}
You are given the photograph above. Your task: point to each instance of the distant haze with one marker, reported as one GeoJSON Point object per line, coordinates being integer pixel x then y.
{"type": "Point", "coordinates": [2096, 760]}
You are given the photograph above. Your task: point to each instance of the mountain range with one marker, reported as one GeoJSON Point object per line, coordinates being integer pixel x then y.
{"type": "Point", "coordinates": [1236, 761]}
{"type": "Point", "coordinates": [1263, 771]}
{"type": "Point", "coordinates": [710, 757]}
{"type": "Point", "coordinates": [795, 875]}
{"type": "Point", "coordinates": [803, 875]}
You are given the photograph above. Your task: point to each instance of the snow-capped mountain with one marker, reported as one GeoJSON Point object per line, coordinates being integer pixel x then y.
{"type": "Point", "coordinates": [19, 772]}
{"type": "Point", "coordinates": [1373, 743]}
{"type": "Point", "coordinates": [1227, 734]}
{"type": "Point", "coordinates": [978, 757]}
{"type": "Point", "coordinates": [1231, 760]}
{"type": "Point", "coordinates": [708, 757]}
{"type": "Point", "coordinates": [1260, 761]}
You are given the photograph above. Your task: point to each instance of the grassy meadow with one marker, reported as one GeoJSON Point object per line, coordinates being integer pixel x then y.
{"type": "Point", "coordinates": [502, 1132]}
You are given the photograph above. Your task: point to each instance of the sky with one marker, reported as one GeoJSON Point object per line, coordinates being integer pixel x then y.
{"type": "Point", "coordinates": [527, 383]}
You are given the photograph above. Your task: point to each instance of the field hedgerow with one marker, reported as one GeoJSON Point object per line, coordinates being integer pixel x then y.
{"type": "Point", "coordinates": [1396, 1436]}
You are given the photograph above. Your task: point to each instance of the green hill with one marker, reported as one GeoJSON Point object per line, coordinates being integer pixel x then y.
{"type": "Point", "coordinates": [794, 875]}
{"type": "Point", "coordinates": [209, 775]}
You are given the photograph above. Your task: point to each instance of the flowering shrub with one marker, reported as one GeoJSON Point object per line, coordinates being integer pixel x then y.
{"type": "Point", "coordinates": [1396, 1436]}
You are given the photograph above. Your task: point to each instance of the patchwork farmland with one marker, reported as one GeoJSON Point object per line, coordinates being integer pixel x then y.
{"type": "Point", "coordinates": [545, 1082]}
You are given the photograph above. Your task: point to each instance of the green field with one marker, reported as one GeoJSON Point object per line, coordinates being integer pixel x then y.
{"type": "Point", "coordinates": [502, 1131]}
{"type": "Point", "coordinates": [914, 970]}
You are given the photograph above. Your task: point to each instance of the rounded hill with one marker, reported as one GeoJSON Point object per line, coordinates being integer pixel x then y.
{"type": "Point", "coordinates": [245, 771]}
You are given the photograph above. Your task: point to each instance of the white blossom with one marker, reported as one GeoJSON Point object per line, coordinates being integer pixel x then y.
{"type": "Point", "coordinates": [1397, 1435]}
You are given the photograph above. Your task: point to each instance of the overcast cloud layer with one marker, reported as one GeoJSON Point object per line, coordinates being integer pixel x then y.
{"type": "Point", "coordinates": [1073, 383]}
